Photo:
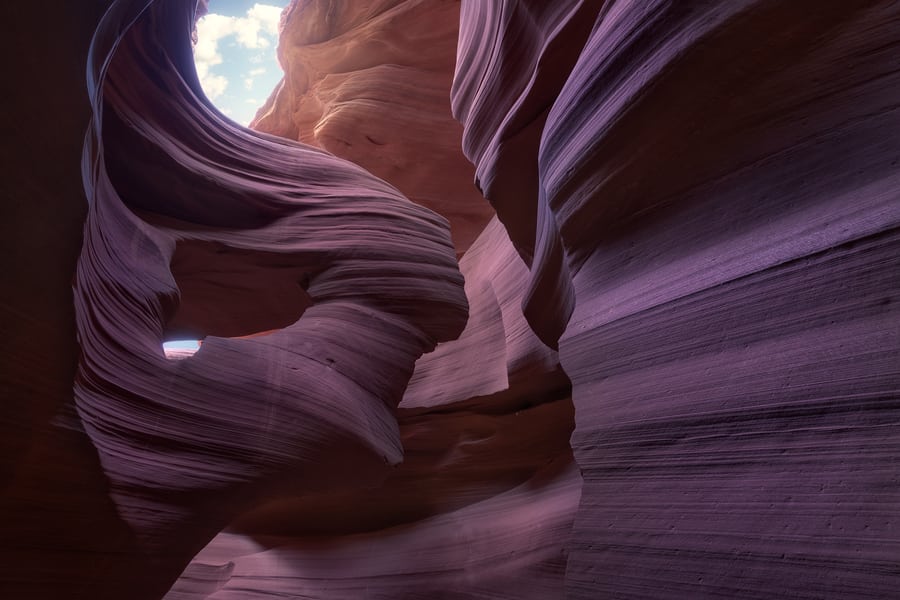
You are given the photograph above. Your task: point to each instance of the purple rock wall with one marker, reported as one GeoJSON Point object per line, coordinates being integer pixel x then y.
{"type": "Point", "coordinates": [717, 188]}
{"type": "Point", "coordinates": [679, 373]}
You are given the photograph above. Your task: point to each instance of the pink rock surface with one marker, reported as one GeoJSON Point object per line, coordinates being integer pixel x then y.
{"type": "Point", "coordinates": [459, 518]}
{"type": "Point", "coordinates": [187, 445]}
{"type": "Point", "coordinates": [488, 484]}
{"type": "Point", "coordinates": [370, 81]}
{"type": "Point", "coordinates": [697, 204]}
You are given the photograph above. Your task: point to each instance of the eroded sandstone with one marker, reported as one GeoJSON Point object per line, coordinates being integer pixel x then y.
{"type": "Point", "coordinates": [696, 204]}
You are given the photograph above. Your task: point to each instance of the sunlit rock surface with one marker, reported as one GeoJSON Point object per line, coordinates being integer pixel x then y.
{"type": "Point", "coordinates": [697, 204]}
{"type": "Point", "coordinates": [370, 81]}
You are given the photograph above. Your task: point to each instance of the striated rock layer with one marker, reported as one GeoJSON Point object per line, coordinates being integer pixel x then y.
{"type": "Point", "coordinates": [481, 504]}
{"type": "Point", "coordinates": [187, 444]}
{"type": "Point", "coordinates": [370, 82]}
{"type": "Point", "coordinates": [488, 484]}
{"type": "Point", "coordinates": [715, 193]}
{"type": "Point", "coordinates": [695, 203]}
{"type": "Point", "coordinates": [365, 283]}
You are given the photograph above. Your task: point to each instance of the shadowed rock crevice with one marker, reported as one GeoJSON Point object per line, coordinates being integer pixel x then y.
{"type": "Point", "coordinates": [235, 292]}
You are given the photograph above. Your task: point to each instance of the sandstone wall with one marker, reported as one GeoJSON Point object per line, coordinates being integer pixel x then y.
{"type": "Point", "coordinates": [370, 82]}
{"type": "Point", "coordinates": [677, 379]}
{"type": "Point", "coordinates": [716, 203]}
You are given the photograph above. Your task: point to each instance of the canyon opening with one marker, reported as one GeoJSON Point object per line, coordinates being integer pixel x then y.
{"type": "Point", "coordinates": [514, 299]}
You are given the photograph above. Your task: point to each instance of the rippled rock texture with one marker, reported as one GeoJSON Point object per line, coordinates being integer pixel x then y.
{"type": "Point", "coordinates": [696, 205]}
{"type": "Point", "coordinates": [483, 501]}
{"type": "Point", "coordinates": [370, 81]}
{"type": "Point", "coordinates": [714, 191]}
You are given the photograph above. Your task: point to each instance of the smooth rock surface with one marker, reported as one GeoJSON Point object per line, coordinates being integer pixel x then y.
{"type": "Point", "coordinates": [483, 501]}
{"type": "Point", "coordinates": [717, 206]}
{"type": "Point", "coordinates": [696, 203]}
{"type": "Point", "coordinates": [179, 195]}
{"type": "Point", "coordinates": [370, 82]}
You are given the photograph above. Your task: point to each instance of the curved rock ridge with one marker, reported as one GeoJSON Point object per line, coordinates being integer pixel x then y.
{"type": "Point", "coordinates": [714, 198]}
{"type": "Point", "coordinates": [469, 545]}
{"type": "Point", "coordinates": [464, 553]}
{"type": "Point", "coordinates": [498, 363]}
{"type": "Point", "coordinates": [370, 81]}
{"type": "Point", "coordinates": [187, 444]}
{"type": "Point", "coordinates": [697, 202]}
{"type": "Point", "coordinates": [512, 60]}
{"type": "Point", "coordinates": [488, 482]}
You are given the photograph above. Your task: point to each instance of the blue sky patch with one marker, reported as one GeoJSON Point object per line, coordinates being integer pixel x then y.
{"type": "Point", "coordinates": [235, 55]}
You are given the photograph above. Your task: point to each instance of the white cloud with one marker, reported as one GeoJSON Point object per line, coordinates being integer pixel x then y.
{"type": "Point", "coordinates": [214, 85]}
{"type": "Point", "coordinates": [256, 30]}
{"type": "Point", "coordinates": [267, 16]}
{"type": "Point", "coordinates": [210, 29]}
{"type": "Point", "coordinates": [261, 19]}
{"type": "Point", "coordinates": [252, 101]}
{"type": "Point", "coordinates": [250, 77]}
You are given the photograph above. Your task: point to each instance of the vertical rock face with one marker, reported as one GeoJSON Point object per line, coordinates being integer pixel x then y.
{"type": "Point", "coordinates": [696, 205]}
{"type": "Point", "coordinates": [715, 192]}
{"type": "Point", "coordinates": [178, 197]}
{"type": "Point", "coordinates": [370, 81]}
{"type": "Point", "coordinates": [485, 421]}
{"type": "Point", "coordinates": [482, 503]}
{"type": "Point", "coordinates": [366, 282]}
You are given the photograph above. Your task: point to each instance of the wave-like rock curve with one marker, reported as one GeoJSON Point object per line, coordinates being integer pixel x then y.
{"type": "Point", "coordinates": [696, 202]}
{"type": "Point", "coordinates": [368, 282]}
{"type": "Point", "coordinates": [370, 82]}
{"type": "Point", "coordinates": [711, 220]}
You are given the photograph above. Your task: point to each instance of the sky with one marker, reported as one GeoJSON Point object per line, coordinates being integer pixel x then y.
{"type": "Point", "coordinates": [235, 55]}
{"type": "Point", "coordinates": [182, 345]}
{"type": "Point", "coordinates": [235, 59]}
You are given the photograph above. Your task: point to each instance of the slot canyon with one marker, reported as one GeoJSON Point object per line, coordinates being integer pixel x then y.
{"type": "Point", "coordinates": [498, 299]}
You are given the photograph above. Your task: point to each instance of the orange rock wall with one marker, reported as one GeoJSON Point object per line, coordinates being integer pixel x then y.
{"type": "Point", "coordinates": [370, 82]}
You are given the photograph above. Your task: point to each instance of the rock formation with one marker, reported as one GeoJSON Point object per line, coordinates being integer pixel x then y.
{"type": "Point", "coordinates": [716, 204]}
{"type": "Point", "coordinates": [348, 67]}
{"type": "Point", "coordinates": [667, 368]}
